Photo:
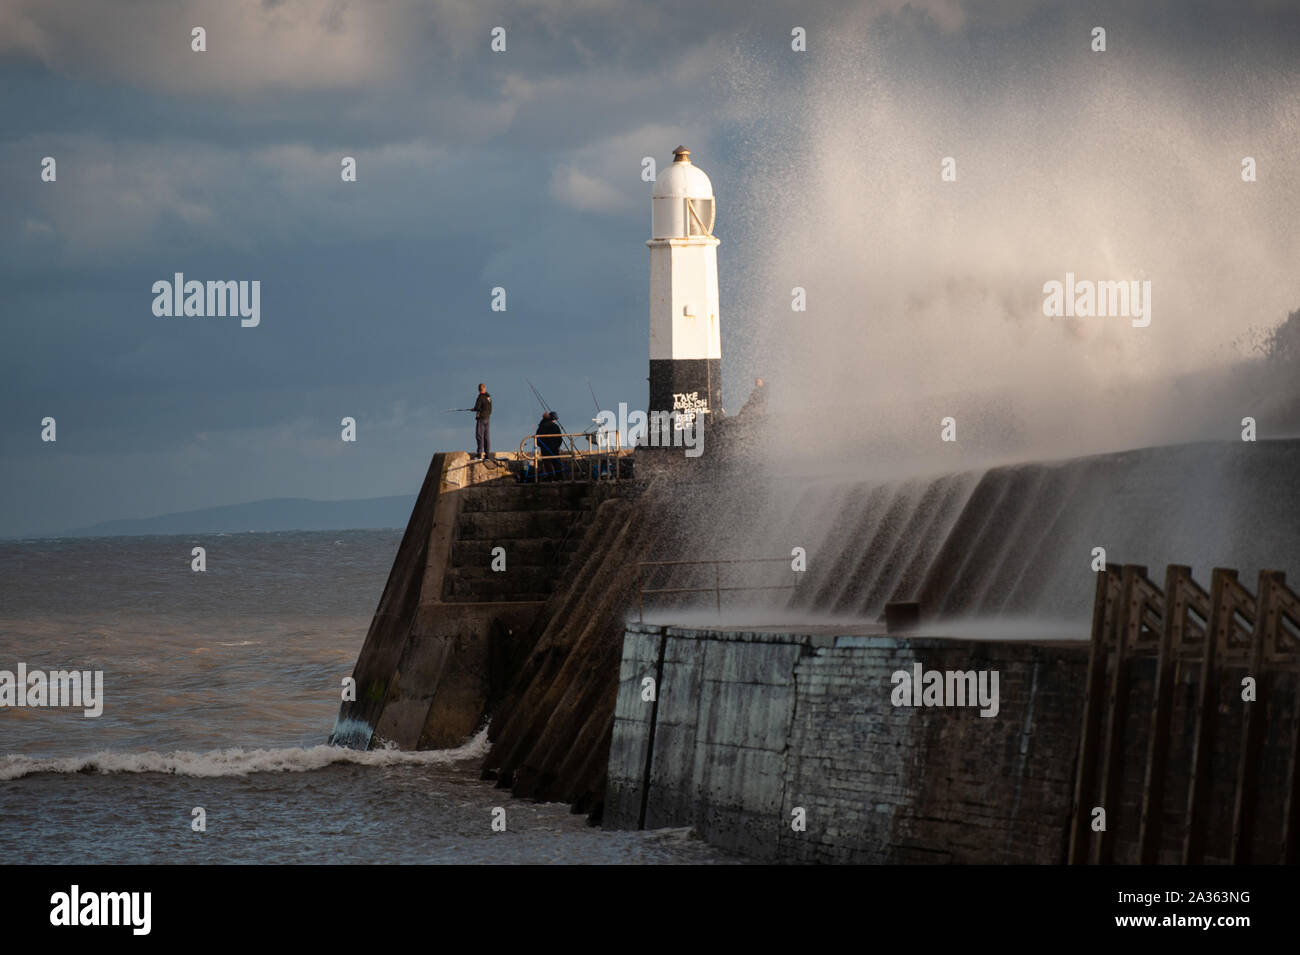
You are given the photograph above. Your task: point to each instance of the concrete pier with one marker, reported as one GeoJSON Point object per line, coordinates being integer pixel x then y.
{"type": "Point", "coordinates": [451, 631]}
{"type": "Point", "coordinates": [548, 650]}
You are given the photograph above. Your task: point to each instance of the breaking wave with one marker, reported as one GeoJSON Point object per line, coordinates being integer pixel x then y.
{"type": "Point", "coordinates": [237, 761]}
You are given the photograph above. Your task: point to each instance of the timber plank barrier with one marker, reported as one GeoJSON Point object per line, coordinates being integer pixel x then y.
{"type": "Point", "coordinates": [1190, 746]}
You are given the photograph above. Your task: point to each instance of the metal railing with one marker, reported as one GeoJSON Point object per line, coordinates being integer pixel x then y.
{"type": "Point", "coordinates": [717, 589]}
{"type": "Point", "coordinates": [601, 459]}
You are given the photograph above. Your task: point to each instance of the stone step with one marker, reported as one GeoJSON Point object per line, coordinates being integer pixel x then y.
{"type": "Point", "coordinates": [530, 497]}
{"type": "Point", "coordinates": [514, 525]}
{"type": "Point", "coordinates": [524, 552]}
{"type": "Point", "coordinates": [507, 586]}
{"type": "Point", "coordinates": [513, 571]}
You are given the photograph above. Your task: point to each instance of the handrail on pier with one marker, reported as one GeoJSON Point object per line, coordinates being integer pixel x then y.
{"type": "Point", "coordinates": [717, 589]}
{"type": "Point", "coordinates": [604, 452]}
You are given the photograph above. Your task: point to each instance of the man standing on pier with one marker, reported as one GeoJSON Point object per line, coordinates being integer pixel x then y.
{"type": "Point", "coordinates": [482, 412]}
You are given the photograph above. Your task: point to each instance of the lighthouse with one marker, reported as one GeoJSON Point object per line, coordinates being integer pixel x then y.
{"type": "Point", "coordinates": [685, 343]}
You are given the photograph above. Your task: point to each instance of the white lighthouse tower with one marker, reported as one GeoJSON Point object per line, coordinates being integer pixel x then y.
{"type": "Point", "coordinates": [685, 341]}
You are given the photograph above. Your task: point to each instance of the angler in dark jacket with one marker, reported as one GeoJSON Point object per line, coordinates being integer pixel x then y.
{"type": "Point", "coordinates": [549, 444]}
{"type": "Point", "coordinates": [482, 412]}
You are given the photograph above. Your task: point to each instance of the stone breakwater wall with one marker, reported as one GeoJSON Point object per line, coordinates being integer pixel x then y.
{"type": "Point", "coordinates": [748, 728]}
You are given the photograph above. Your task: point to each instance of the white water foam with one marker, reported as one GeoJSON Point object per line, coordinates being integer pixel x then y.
{"type": "Point", "coordinates": [239, 762]}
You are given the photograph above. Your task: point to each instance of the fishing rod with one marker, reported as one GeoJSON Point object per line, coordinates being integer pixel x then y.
{"type": "Point", "coordinates": [538, 395]}
{"type": "Point", "coordinates": [547, 408]}
{"type": "Point", "coordinates": [594, 432]}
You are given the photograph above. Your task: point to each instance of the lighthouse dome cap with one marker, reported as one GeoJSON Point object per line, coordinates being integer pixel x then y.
{"type": "Point", "coordinates": [682, 179]}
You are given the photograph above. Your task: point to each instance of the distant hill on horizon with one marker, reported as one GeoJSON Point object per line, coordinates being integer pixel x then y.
{"type": "Point", "coordinates": [272, 514]}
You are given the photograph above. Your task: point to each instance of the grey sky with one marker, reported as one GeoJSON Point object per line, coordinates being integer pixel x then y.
{"type": "Point", "coordinates": [519, 169]}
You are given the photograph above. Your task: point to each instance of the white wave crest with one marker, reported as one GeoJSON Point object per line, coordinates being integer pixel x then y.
{"type": "Point", "coordinates": [238, 762]}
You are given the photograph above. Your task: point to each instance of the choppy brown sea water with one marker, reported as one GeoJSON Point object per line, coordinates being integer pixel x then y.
{"type": "Point", "coordinates": [220, 690]}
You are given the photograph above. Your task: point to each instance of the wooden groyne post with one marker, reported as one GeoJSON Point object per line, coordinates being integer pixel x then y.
{"type": "Point", "coordinates": [1191, 733]}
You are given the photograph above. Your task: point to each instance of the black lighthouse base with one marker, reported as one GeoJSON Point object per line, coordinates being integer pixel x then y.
{"type": "Point", "coordinates": [686, 385]}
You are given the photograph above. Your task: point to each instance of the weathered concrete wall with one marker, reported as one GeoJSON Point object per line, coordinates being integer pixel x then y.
{"type": "Point", "coordinates": [391, 623]}
{"type": "Point", "coordinates": [551, 735]}
{"type": "Point", "coordinates": [453, 658]}
{"type": "Point", "coordinates": [451, 632]}
{"type": "Point", "coordinates": [750, 726]}
{"type": "Point", "coordinates": [1004, 541]}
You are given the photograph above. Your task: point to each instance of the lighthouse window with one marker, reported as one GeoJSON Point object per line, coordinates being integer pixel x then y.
{"type": "Point", "coordinates": [699, 216]}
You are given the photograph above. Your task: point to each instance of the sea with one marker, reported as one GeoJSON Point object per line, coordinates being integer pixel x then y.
{"type": "Point", "coordinates": [220, 690]}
